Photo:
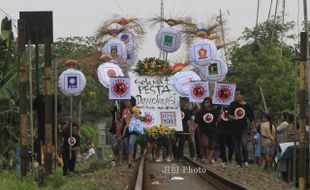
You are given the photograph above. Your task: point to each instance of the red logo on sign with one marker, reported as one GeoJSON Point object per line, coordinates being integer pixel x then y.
{"type": "Point", "coordinates": [198, 91]}
{"type": "Point", "coordinates": [111, 73]}
{"type": "Point", "coordinates": [224, 94]}
{"type": "Point", "coordinates": [120, 88]}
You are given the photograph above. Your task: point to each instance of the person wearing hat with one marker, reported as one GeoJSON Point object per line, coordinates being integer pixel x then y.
{"type": "Point", "coordinates": [135, 129]}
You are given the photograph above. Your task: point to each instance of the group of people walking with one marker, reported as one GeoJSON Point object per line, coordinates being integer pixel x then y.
{"type": "Point", "coordinates": [206, 126]}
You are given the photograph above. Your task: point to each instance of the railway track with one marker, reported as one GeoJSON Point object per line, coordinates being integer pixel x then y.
{"type": "Point", "coordinates": [211, 177]}
{"type": "Point", "coordinates": [214, 178]}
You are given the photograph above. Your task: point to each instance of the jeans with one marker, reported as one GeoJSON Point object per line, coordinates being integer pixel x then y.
{"type": "Point", "coordinates": [240, 141]}
{"type": "Point", "coordinates": [179, 150]}
{"type": "Point", "coordinates": [131, 143]}
{"type": "Point", "coordinates": [225, 140]}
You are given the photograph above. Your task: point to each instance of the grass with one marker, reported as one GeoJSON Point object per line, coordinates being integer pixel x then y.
{"type": "Point", "coordinates": [86, 178]}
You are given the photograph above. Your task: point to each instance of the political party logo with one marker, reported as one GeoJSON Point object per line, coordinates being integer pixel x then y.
{"type": "Point", "coordinates": [239, 113]}
{"type": "Point", "coordinates": [202, 53]}
{"type": "Point", "coordinates": [71, 141]}
{"type": "Point", "coordinates": [224, 93]}
{"type": "Point", "coordinates": [198, 91]}
{"type": "Point", "coordinates": [224, 116]}
{"type": "Point", "coordinates": [72, 82]}
{"type": "Point", "coordinates": [113, 50]}
{"type": "Point", "coordinates": [111, 73]}
{"type": "Point", "coordinates": [213, 69]}
{"type": "Point", "coordinates": [208, 118]}
{"type": "Point", "coordinates": [168, 40]}
{"type": "Point", "coordinates": [119, 88]}
{"type": "Point", "coordinates": [182, 115]}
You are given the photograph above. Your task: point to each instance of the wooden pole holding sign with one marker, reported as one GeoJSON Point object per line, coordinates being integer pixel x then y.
{"type": "Point", "coordinates": [22, 79]}
{"type": "Point", "coordinates": [48, 109]}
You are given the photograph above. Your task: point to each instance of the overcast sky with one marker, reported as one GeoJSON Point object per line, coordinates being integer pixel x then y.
{"type": "Point", "coordinates": [82, 18]}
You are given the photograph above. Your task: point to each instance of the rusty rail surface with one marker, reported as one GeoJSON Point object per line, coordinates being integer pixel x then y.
{"type": "Point", "coordinates": [215, 179]}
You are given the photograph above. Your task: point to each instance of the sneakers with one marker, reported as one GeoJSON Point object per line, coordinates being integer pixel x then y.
{"type": "Point", "coordinates": [246, 164]}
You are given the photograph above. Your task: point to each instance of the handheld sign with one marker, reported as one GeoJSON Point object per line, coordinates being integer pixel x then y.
{"type": "Point", "coordinates": [158, 101]}
{"type": "Point", "coordinates": [198, 91]}
{"type": "Point", "coordinates": [72, 82]}
{"type": "Point", "coordinates": [224, 93]}
{"type": "Point", "coordinates": [119, 89]}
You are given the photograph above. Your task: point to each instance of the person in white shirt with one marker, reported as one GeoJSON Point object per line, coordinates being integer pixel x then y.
{"type": "Point", "coordinates": [282, 128]}
{"type": "Point", "coordinates": [91, 151]}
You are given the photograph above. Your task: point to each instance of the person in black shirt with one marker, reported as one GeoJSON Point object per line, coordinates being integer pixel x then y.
{"type": "Point", "coordinates": [225, 138]}
{"type": "Point", "coordinates": [195, 110]}
{"type": "Point", "coordinates": [184, 135]}
{"type": "Point", "coordinates": [238, 112]}
{"type": "Point", "coordinates": [69, 162]}
{"type": "Point", "coordinates": [206, 120]}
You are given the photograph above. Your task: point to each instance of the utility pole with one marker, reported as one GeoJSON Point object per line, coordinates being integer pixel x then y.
{"type": "Point", "coordinates": [257, 12]}
{"type": "Point", "coordinates": [161, 53]}
{"type": "Point", "coordinates": [22, 79]}
{"type": "Point", "coordinates": [304, 55]}
{"type": "Point", "coordinates": [48, 108]}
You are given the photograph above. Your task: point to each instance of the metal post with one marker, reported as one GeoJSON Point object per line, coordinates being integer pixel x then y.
{"type": "Point", "coordinates": [71, 120]}
{"type": "Point", "coordinates": [48, 118]}
{"type": "Point", "coordinates": [22, 78]}
{"type": "Point", "coordinates": [31, 103]}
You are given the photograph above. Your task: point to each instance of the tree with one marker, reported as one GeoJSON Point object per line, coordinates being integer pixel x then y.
{"type": "Point", "coordinates": [266, 62]}
{"type": "Point", "coordinates": [8, 95]}
{"type": "Point", "coordinates": [94, 98]}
